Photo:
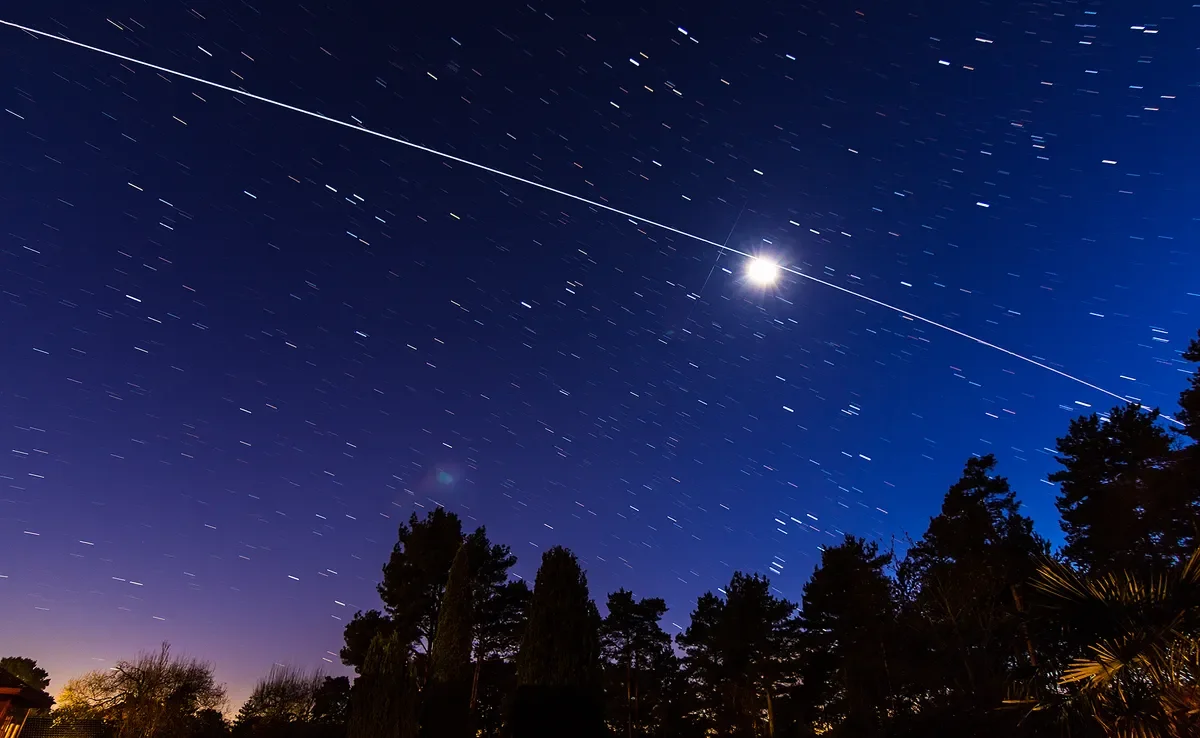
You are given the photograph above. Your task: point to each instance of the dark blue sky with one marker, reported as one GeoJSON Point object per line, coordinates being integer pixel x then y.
{"type": "Point", "coordinates": [241, 344]}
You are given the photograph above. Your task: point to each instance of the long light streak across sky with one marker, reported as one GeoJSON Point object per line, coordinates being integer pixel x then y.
{"type": "Point", "coordinates": [362, 129]}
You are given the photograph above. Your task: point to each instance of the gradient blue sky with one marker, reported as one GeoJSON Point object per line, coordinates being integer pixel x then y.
{"type": "Point", "coordinates": [240, 345]}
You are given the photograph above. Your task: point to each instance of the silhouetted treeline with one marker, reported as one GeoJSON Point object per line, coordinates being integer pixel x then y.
{"type": "Point", "coordinates": [978, 629]}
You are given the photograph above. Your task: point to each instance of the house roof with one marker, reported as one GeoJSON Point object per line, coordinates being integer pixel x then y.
{"type": "Point", "coordinates": [15, 690]}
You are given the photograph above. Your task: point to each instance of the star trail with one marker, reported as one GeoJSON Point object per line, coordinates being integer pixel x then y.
{"type": "Point", "coordinates": [243, 340]}
{"type": "Point", "coordinates": [761, 270]}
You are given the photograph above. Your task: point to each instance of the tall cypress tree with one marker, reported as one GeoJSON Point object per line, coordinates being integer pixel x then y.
{"type": "Point", "coordinates": [558, 666]}
{"type": "Point", "coordinates": [446, 703]}
{"type": "Point", "coordinates": [384, 697]}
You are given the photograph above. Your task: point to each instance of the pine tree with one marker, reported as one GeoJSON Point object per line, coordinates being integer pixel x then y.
{"type": "Point", "coordinates": [446, 701]}
{"type": "Point", "coordinates": [500, 623]}
{"type": "Point", "coordinates": [675, 716]}
{"type": "Point", "coordinates": [498, 609]}
{"type": "Point", "coordinates": [966, 632]}
{"type": "Point", "coordinates": [1189, 399]}
{"type": "Point", "coordinates": [739, 655]}
{"type": "Point", "coordinates": [359, 633]}
{"type": "Point", "coordinates": [1182, 488]}
{"type": "Point", "coordinates": [1116, 513]}
{"type": "Point", "coordinates": [414, 580]}
{"type": "Point", "coordinates": [558, 685]}
{"type": "Point", "coordinates": [848, 623]}
{"type": "Point", "coordinates": [415, 575]}
{"type": "Point", "coordinates": [635, 647]}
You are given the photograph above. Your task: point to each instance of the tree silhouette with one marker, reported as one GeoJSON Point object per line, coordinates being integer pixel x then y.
{"type": "Point", "coordinates": [414, 580]}
{"type": "Point", "coordinates": [27, 670]}
{"type": "Point", "coordinates": [1139, 671]}
{"type": "Point", "coordinates": [154, 695]}
{"type": "Point", "coordinates": [359, 633]}
{"type": "Point", "coordinates": [448, 693]}
{"type": "Point", "coordinates": [500, 623]}
{"type": "Point", "coordinates": [384, 700]}
{"type": "Point", "coordinates": [1114, 513]}
{"type": "Point", "coordinates": [280, 704]}
{"type": "Point", "coordinates": [848, 624]}
{"type": "Point", "coordinates": [976, 632]}
{"type": "Point", "coordinates": [740, 654]}
{"type": "Point", "coordinates": [208, 723]}
{"type": "Point", "coordinates": [498, 610]}
{"type": "Point", "coordinates": [1189, 399]}
{"type": "Point", "coordinates": [636, 649]}
{"type": "Point", "coordinates": [558, 666]}
{"type": "Point", "coordinates": [963, 621]}
{"type": "Point", "coordinates": [331, 704]}
{"type": "Point", "coordinates": [1183, 484]}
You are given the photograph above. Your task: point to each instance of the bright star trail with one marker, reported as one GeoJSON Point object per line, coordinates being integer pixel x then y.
{"type": "Point", "coordinates": [250, 326]}
{"type": "Point", "coordinates": [531, 183]}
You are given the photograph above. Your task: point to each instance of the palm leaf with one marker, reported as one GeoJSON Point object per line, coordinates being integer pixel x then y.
{"type": "Point", "coordinates": [1139, 674]}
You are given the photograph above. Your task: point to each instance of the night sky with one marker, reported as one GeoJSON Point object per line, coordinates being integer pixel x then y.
{"type": "Point", "coordinates": [241, 344]}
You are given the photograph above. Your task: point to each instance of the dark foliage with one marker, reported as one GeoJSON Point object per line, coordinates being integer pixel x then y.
{"type": "Point", "coordinates": [413, 584]}
{"type": "Point", "coordinates": [1189, 399]}
{"type": "Point", "coordinates": [558, 665]}
{"type": "Point", "coordinates": [415, 575]}
{"type": "Point", "coordinates": [848, 628]}
{"type": "Point", "coordinates": [331, 702]}
{"type": "Point", "coordinates": [359, 633]}
{"type": "Point", "coordinates": [963, 629]}
{"type": "Point", "coordinates": [210, 724]}
{"type": "Point", "coordinates": [740, 654]}
{"type": "Point", "coordinates": [27, 670]}
{"type": "Point", "coordinates": [975, 631]}
{"type": "Point", "coordinates": [384, 700]}
{"type": "Point", "coordinates": [638, 658]}
{"type": "Point", "coordinates": [1115, 513]}
{"type": "Point", "coordinates": [447, 696]}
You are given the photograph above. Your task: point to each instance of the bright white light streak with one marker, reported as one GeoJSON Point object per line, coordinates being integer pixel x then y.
{"type": "Point", "coordinates": [563, 193]}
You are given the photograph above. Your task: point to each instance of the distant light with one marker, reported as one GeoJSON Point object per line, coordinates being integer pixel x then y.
{"type": "Point", "coordinates": [763, 272]}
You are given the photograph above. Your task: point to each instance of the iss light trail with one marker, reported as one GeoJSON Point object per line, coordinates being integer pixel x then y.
{"type": "Point", "coordinates": [762, 272]}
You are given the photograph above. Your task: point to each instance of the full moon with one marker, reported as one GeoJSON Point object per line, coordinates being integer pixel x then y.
{"type": "Point", "coordinates": [762, 271]}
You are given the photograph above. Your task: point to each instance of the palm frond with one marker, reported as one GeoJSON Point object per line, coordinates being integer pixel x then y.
{"type": "Point", "coordinates": [1139, 673]}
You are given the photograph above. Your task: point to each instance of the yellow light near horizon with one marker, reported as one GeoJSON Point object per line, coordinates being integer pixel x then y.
{"type": "Point", "coordinates": [762, 272]}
